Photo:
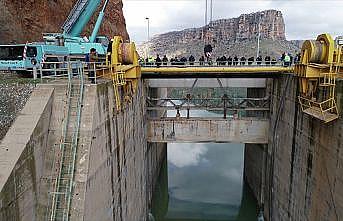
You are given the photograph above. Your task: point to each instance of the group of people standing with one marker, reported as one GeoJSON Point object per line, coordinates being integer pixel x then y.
{"type": "Point", "coordinates": [286, 60]}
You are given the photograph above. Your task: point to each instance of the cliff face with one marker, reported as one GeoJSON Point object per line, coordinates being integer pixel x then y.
{"type": "Point", "coordinates": [23, 21]}
{"type": "Point", "coordinates": [234, 36]}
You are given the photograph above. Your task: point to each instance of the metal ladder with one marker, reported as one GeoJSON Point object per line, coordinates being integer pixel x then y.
{"type": "Point", "coordinates": [64, 163]}
{"type": "Point", "coordinates": [117, 75]}
{"type": "Point", "coordinates": [74, 15]}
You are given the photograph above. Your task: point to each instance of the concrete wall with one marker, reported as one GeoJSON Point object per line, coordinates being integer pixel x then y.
{"type": "Point", "coordinates": [21, 159]}
{"type": "Point", "coordinates": [303, 176]}
{"type": "Point", "coordinates": [122, 165]}
{"type": "Point", "coordinates": [116, 168]}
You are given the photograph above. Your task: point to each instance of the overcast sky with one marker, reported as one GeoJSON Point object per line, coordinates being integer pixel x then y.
{"type": "Point", "coordinates": [304, 19]}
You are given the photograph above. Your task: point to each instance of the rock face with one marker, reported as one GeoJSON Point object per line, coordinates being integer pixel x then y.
{"type": "Point", "coordinates": [23, 21]}
{"type": "Point", "coordinates": [235, 36]}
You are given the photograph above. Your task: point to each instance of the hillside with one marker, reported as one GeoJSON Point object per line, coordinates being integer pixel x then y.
{"type": "Point", "coordinates": [23, 21]}
{"type": "Point", "coordinates": [234, 36]}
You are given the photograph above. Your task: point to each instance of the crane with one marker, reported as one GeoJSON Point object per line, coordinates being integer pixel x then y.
{"type": "Point", "coordinates": [73, 26]}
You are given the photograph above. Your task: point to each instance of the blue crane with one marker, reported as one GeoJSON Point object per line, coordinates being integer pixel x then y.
{"type": "Point", "coordinates": [80, 16]}
{"type": "Point", "coordinates": [58, 46]}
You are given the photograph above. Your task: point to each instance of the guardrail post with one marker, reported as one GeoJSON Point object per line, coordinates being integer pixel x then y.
{"type": "Point", "coordinates": [34, 72]}
{"type": "Point", "coordinates": [225, 97]}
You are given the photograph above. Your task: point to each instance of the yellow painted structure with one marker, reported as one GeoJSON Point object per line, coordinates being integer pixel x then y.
{"type": "Point", "coordinates": [218, 69]}
{"type": "Point", "coordinates": [321, 64]}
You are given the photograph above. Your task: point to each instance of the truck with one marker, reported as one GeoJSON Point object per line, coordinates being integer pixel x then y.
{"type": "Point", "coordinates": [59, 46]}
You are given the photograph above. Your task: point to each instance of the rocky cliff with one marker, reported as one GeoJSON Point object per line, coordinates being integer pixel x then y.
{"type": "Point", "coordinates": [234, 36]}
{"type": "Point", "coordinates": [23, 21]}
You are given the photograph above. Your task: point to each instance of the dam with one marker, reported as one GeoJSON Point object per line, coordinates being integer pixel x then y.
{"type": "Point", "coordinates": [126, 140]}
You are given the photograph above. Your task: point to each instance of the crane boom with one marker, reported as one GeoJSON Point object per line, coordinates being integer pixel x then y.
{"type": "Point", "coordinates": [79, 17]}
{"type": "Point", "coordinates": [98, 23]}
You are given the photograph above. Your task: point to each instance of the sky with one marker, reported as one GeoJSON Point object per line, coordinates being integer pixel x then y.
{"type": "Point", "coordinates": [304, 19]}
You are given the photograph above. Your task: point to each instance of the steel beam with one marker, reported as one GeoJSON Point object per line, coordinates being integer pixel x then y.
{"type": "Point", "coordinates": [214, 72]}
{"type": "Point", "coordinates": [207, 83]}
{"type": "Point", "coordinates": [178, 130]}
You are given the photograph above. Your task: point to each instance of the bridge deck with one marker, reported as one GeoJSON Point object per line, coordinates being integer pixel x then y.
{"type": "Point", "coordinates": [214, 71]}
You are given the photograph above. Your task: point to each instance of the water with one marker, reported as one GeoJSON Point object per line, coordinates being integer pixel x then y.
{"type": "Point", "coordinates": [203, 182]}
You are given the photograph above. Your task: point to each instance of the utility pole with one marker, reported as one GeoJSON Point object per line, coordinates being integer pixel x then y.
{"type": "Point", "coordinates": [148, 35]}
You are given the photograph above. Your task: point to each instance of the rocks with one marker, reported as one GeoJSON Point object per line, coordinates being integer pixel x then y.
{"type": "Point", "coordinates": [23, 21]}
{"type": "Point", "coordinates": [235, 36]}
{"type": "Point", "coordinates": [14, 93]}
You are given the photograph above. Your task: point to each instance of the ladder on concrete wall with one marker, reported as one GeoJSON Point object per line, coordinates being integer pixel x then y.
{"type": "Point", "coordinates": [62, 191]}
{"type": "Point", "coordinates": [117, 75]}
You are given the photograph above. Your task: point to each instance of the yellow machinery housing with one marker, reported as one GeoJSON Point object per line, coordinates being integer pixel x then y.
{"type": "Point", "coordinates": [320, 65]}
{"type": "Point", "coordinates": [123, 69]}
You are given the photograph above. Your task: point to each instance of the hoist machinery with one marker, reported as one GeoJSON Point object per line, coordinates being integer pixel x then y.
{"type": "Point", "coordinates": [122, 68]}
{"type": "Point", "coordinates": [320, 66]}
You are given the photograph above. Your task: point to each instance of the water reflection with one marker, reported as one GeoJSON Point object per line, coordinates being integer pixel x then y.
{"type": "Point", "coordinates": [203, 182]}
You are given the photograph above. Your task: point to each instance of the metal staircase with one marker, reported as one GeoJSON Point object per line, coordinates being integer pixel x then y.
{"type": "Point", "coordinates": [74, 15]}
{"type": "Point", "coordinates": [64, 163]}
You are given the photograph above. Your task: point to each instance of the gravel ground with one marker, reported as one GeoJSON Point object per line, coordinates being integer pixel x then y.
{"type": "Point", "coordinates": [14, 93]}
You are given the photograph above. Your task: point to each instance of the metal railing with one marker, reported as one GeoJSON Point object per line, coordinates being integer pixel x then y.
{"type": "Point", "coordinates": [60, 70]}
{"type": "Point", "coordinates": [222, 104]}
{"type": "Point", "coordinates": [213, 63]}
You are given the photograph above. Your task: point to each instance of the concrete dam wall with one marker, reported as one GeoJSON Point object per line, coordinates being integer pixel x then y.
{"type": "Point", "coordinates": [115, 168]}
{"type": "Point", "coordinates": [302, 170]}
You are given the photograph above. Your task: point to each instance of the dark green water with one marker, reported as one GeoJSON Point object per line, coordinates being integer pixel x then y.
{"type": "Point", "coordinates": [203, 182]}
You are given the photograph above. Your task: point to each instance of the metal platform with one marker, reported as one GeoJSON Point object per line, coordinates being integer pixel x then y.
{"type": "Point", "coordinates": [323, 116]}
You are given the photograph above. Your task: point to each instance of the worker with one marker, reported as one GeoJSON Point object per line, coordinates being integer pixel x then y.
{"type": "Point", "coordinates": [287, 60]}
{"type": "Point", "coordinates": [158, 61]}
{"type": "Point", "coordinates": [191, 60]}
{"type": "Point", "coordinates": [273, 61]}
{"type": "Point", "coordinates": [165, 60]}
{"type": "Point", "coordinates": [201, 60]}
{"type": "Point", "coordinates": [151, 60]}
{"type": "Point", "coordinates": [91, 59]}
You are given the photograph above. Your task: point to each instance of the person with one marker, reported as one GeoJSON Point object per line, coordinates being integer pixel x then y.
{"type": "Point", "coordinates": [259, 60]}
{"type": "Point", "coordinates": [287, 60]}
{"type": "Point", "coordinates": [208, 51]}
{"type": "Point", "coordinates": [191, 60]}
{"type": "Point", "coordinates": [274, 61]}
{"type": "Point", "coordinates": [283, 56]}
{"type": "Point", "coordinates": [176, 61]}
{"type": "Point", "coordinates": [158, 61]}
{"type": "Point", "coordinates": [229, 61]}
{"type": "Point", "coordinates": [250, 60]}
{"type": "Point", "coordinates": [235, 60]}
{"type": "Point", "coordinates": [91, 59]}
{"type": "Point", "coordinates": [165, 60]}
{"type": "Point", "coordinates": [218, 61]}
{"type": "Point", "coordinates": [201, 60]}
{"type": "Point", "coordinates": [223, 60]}
{"type": "Point", "coordinates": [267, 60]}
{"type": "Point", "coordinates": [151, 60]}
{"type": "Point", "coordinates": [183, 60]}
{"type": "Point", "coordinates": [243, 59]}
